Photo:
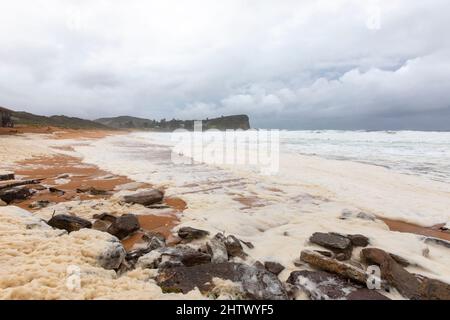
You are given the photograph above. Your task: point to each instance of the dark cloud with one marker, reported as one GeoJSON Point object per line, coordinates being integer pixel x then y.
{"type": "Point", "coordinates": [290, 64]}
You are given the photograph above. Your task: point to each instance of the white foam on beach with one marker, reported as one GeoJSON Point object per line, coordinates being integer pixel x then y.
{"type": "Point", "coordinates": [34, 262]}
{"type": "Point", "coordinates": [279, 213]}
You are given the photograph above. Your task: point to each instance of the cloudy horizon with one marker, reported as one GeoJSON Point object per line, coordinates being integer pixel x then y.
{"type": "Point", "coordinates": [292, 64]}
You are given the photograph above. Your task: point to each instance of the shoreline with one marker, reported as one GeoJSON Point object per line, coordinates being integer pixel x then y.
{"type": "Point", "coordinates": [100, 191]}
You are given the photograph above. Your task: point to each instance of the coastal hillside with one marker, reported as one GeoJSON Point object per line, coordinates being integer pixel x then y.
{"type": "Point", "coordinates": [222, 123]}
{"type": "Point", "coordinates": [29, 119]}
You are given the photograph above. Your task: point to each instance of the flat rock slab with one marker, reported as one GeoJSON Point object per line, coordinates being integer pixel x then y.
{"type": "Point", "coordinates": [69, 223]}
{"type": "Point", "coordinates": [321, 285]}
{"type": "Point", "coordinates": [273, 267]}
{"type": "Point", "coordinates": [331, 241]}
{"type": "Point", "coordinates": [145, 198]}
{"type": "Point", "coordinates": [256, 284]}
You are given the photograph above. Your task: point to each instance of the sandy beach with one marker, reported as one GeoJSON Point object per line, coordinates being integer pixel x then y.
{"type": "Point", "coordinates": [89, 173]}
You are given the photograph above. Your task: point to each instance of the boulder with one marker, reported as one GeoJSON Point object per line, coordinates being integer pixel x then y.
{"type": "Point", "coordinates": [358, 240]}
{"type": "Point", "coordinates": [321, 285]}
{"type": "Point", "coordinates": [124, 226]}
{"type": "Point", "coordinates": [188, 233]}
{"type": "Point", "coordinates": [69, 223]}
{"type": "Point", "coordinates": [145, 198]}
{"type": "Point", "coordinates": [217, 250]}
{"type": "Point", "coordinates": [255, 283]}
{"type": "Point", "coordinates": [274, 267]}
{"type": "Point", "coordinates": [339, 244]}
{"type": "Point", "coordinates": [409, 285]}
{"type": "Point", "coordinates": [331, 265]}
{"type": "Point", "coordinates": [15, 193]}
{"type": "Point", "coordinates": [113, 255]}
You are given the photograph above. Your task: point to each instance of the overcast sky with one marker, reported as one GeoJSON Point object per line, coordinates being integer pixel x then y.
{"type": "Point", "coordinates": [336, 64]}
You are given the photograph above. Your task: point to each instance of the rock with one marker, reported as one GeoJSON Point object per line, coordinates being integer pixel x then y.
{"type": "Point", "coordinates": [217, 250]}
{"type": "Point", "coordinates": [124, 226]}
{"type": "Point", "coordinates": [366, 216]}
{"type": "Point", "coordinates": [145, 198]}
{"type": "Point", "coordinates": [273, 267]}
{"type": "Point", "coordinates": [321, 285]}
{"type": "Point", "coordinates": [331, 265]}
{"type": "Point", "coordinates": [113, 256]}
{"type": "Point", "coordinates": [259, 265]}
{"type": "Point", "coordinates": [255, 283]}
{"type": "Point", "coordinates": [248, 244]}
{"type": "Point", "coordinates": [339, 244]}
{"type": "Point", "coordinates": [409, 285]}
{"type": "Point", "coordinates": [101, 225]}
{"type": "Point", "coordinates": [325, 253]}
{"type": "Point", "coordinates": [57, 191]}
{"type": "Point", "coordinates": [15, 193]}
{"type": "Point", "coordinates": [188, 233]}
{"type": "Point", "coordinates": [105, 217]}
{"type": "Point", "coordinates": [68, 223]}
{"type": "Point", "coordinates": [7, 176]}
{"type": "Point", "coordinates": [400, 260]}
{"type": "Point", "coordinates": [436, 241]}
{"type": "Point", "coordinates": [93, 191]}
{"type": "Point", "coordinates": [331, 240]}
{"type": "Point", "coordinates": [39, 204]}
{"type": "Point", "coordinates": [3, 203]}
{"type": "Point", "coordinates": [182, 255]}
{"type": "Point", "coordinates": [234, 247]}
{"type": "Point", "coordinates": [358, 240]}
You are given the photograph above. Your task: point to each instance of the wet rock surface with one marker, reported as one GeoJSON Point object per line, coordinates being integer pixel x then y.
{"type": "Point", "coordinates": [255, 283]}
{"type": "Point", "coordinates": [145, 198]}
{"type": "Point", "coordinates": [358, 240]}
{"type": "Point", "coordinates": [339, 244]}
{"type": "Point", "coordinates": [124, 226]}
{"type": "Point", "coordinates": [189, 234]}
{"type": "Point", "coordinates": [274, 267]}
{"type": "Point", "coordinates": [408, 284]}
{"type": "Point", "coordinates": [16, 193]}
{"type": "Point", "coordinates": [69, 223]}
{"type": "Point", "coordinates": [321, 285]}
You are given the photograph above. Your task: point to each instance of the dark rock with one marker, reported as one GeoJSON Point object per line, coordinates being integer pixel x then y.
{"type": "Point", "coordinates": [182, 255]}
{"type": "Point", "coordinates": [218, 251]}
{"type": "Point", "coordinates": [409, 285]}
{"type": "Point", "coordinates": [93, 191]}
{"type": "Point", "coordinates": [68, 223]}
{"type": "Point", "coordinates": [105, 217]}
{"type": "Point", "coordinates": [273, 267]}
{"type": "Point", "coordinates": [188, 233]}
{"type": "Point", "coordinates": [15, 193]}
{"type": "Point", "coordinates": [57, 191]}
{"type": "Point", "coordinates": [124, 225]}
{"type": "Point", "coordinates": [331, 240]}
{"type": "Point", "coordinates": [234, 247]}
{"type": "Point", "coordinates": [7, 176]}
{"type": "Point", "coordinates": [400, 260]}
{"type": "Point", "coordinates": [358, 240]}
{"type": "Point", "coordinates": [256, 284]}
{"type": "Point", "coordinates": [259, 265]}
{"type": "Point", "coordinates": [327, 254]}
{"type": "Point", "coordinates": [145, 198]}
{"type": "Point", "coordinates": [101, 225]}
{"type": "Point", "coordinates": [339, 244]}
{"type": "Point", "coordinates": [321, 285]}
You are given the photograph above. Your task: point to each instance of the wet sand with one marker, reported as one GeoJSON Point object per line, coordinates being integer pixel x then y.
{"type": "Point", "coordinates": [401, 226]}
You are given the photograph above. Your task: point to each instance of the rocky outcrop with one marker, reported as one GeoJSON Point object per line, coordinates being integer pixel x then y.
{"type": "Point", "coordinates": [124, 226]}
{"type": "Point", "coordinates": [254, 283]}
{"type": "Point", "coordinates": [68, 223]}
{"type": "Point", "coordinates": [145, 198]}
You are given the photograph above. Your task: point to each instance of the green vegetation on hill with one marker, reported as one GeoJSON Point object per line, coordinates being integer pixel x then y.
{"type": "Point", "coordinates": [222, 123]}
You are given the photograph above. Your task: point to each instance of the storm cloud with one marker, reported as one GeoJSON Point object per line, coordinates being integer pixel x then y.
{"type": "Point", "coordinates": [337, 64]}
